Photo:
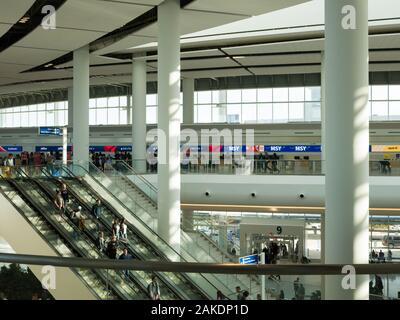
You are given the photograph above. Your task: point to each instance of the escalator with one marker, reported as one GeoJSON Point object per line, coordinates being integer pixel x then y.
{"type": "Point", "coordinates": [92, 226]}
{"type": "Point", "coordinates": [136, 189]}
{"type": "Point", "coordinates": [137, 244]}
{"type": "Point", "coordinates": [67, 240]}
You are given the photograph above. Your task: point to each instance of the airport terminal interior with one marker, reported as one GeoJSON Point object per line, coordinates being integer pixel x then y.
{"type": "Point", "coordinates": [217, 135]}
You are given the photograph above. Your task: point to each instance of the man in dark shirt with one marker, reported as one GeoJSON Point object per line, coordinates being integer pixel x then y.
{"type": "Point", "coordinates": [125, 256]}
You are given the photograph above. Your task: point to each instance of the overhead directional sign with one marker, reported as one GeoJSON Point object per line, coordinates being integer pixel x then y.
{"type": "Point", "coordinates": [50, 131]}
{"type": "Point", "coordinates": [252, 259]}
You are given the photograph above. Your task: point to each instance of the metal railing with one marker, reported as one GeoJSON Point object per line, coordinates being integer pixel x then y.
{"type": "Point", "coordinates": [258, 167]}
{"type": "Point", "coordinates": [190, 267]}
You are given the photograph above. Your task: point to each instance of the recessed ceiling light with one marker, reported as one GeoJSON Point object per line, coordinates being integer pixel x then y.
{"type": "Point", "coordinates": [48, 65]}
{"type": "Point", "coordinates": [24, 19]}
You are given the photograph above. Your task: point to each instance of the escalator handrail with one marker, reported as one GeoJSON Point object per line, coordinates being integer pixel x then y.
{"type": "Point", "coordinates": [135, 173]}
{"type": "Point", "coordinates": [155, 190]}
{"type": "Point", "coordinates": [143, 225]}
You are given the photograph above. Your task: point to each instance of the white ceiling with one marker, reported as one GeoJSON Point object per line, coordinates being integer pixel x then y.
{"type": "Point", "coordinates": [81, 22]}
{"type": "Point", "coordinates": [13, 10]}
{"type": "Point", "coordinates": [241, 7]}
{"type": "Point", "coordinates": [97, 15]}
{"type": "Point", "coordinates": [4, 28]}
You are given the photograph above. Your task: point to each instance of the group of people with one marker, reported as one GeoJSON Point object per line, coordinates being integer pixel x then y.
{"type": "Point", "coordinates": [31, 159]}
{"type": "Point", "coordinates": [242, 294]}
{"type": "Point", "coordinates": [299, 290]}
{"type": "Point", "coordinates": [105, 161]}
{"type": "Point", "coordinates": [376, 289]}
{"type": "Point", "coordinates": [272, 251]}
{"type": "Point", "coordinates": [266, 162]}
{"type": "Point", "coordinates": [102, 161]}
{"type": "Point", "coordinates": [380, 257]}
{"type": "Point", "coordinates": [110, 246]}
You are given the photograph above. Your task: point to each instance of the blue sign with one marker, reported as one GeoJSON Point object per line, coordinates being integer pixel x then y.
{"type": "Point", "coordinates": [236, 148]}
{"type": "Point", "coordinates": [124, 148]}
{"type": "Point", "coordinates": [292, 148]}
{"type": "Point", "coordinates": [50, 131]}
{"type": "Point", "coordinates": [51, 148]}
{"type": "Point", "coordinates": [11, 148]}
{"type": "Point", "coordinates": [252, 259]}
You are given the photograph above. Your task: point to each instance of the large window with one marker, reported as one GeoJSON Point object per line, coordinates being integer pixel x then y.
{"type": "Point", "coordinates": [45, 114]}
{"type": "Point", "coordinates": [108, 111]}
{"type": "Point", "coordinates": [262, 105]}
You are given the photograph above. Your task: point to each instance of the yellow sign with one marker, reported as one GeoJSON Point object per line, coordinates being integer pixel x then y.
{"type": "Point", "coordinates": [385, 148]}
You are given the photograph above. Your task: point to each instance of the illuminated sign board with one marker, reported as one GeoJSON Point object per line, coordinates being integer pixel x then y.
{"type": "Point", "coordinates": [385, 148]}
{"type": "Point", "coordinates": [11, 148]}
{"type": "Point", "coordinates": [292, 148]}
{"type": "Point", "coordinates": [50, 131]}
{"type": "Point", "coordinates": [252, 259]}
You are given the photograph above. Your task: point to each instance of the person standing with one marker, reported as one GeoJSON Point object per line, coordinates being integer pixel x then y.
{"type": "Point", "coordinates": [238, 293]}
{"type": "Point", "coordinates": [123, 230]}
{"type": "Point", "coordinates": [301, 292]}
{"type": "Point", "coordinates": [101, 242]}
{"type": "Point", "coordinates": [116, 228]}
{"type": "Point", "coordinates": [125, 256]}
{"type": "Point", "coordinates": [378, 285]}
{"type": "Point", "coordinates": [65, 194]}
{"type": "Point", "coordinates": [59, 203]}
{"type": "Point", "coordinates": [112, 248]}
{"type": "Point", "coordinates": [154, 289]}
{"type": "Point", "coordinates": [97, 209]}
{"type": "Point", "coordinates": [296, 284]}
{"type": "Point", "coordinates": [220, 295]}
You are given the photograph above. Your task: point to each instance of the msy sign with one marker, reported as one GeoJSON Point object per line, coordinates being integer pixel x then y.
{"type": "Point", "coordinates": [293, 148]}
{"type": "Point", "coordinates": [300, 148]}
{"type": "Point", "coordinates": [276, 148]}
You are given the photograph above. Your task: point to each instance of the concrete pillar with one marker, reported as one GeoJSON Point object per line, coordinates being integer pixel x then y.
{"type": "Point", "coordinates": [347, 141]}
{"type": "Point", "coordinates": [81, 106]}
{"type": "Point", "coordinates": [70, 107]}
{"type": "Point", "coordinates": [323, 111]}
{"type": "Point", "coordinates": [139, 86]}
{"type": "Point", "coordinates": [188, 100]}
{"type": "Point", "coordinates": [187, 220]}
{"type": "Point", "coordinates": [169, 77]}
{"type": "Point", "coordinates": [129, 109]}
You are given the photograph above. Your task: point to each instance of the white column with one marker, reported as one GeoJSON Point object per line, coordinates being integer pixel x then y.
{"type": "Point", "coordinates": [129, 109]}
{"type": "Point", "coordinates": [139, 83]}
{"type": "Point", "coordinates": [169, 181]}
{"type": "Point", "coordinates": [65, 145]}
{"type": "Point", "coordinates": [187, 220]}
{"type": "Point", "coordinates": [347, 140]}
{"type": "Point", "coordinates": [188, 100]}
{"type": "Point", "coordinates": [323, 111]}
{"type": "Point", "coordinates": [70, 107]}
{"type": "Point", "coordinates": [262, 262]}
{"type": "Point", "coordinates": [81, 105]}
